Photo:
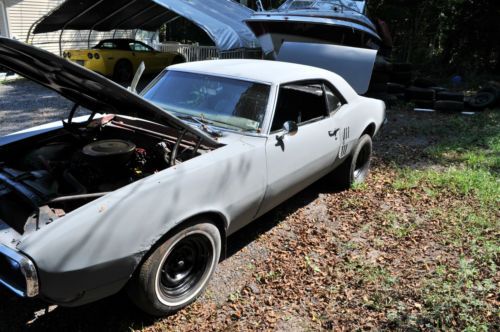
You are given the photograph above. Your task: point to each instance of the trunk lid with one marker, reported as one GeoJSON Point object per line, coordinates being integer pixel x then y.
{"type": "Point", "coordinates": [354, 64]}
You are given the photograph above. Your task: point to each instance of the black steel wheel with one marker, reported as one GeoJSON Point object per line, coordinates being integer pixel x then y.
{"type": "Point", "coordinates": [362, 161]}
{"type": "Point", "coordinates": [177, 272]}
{"type": "Point", "coordinates": [355, 168]}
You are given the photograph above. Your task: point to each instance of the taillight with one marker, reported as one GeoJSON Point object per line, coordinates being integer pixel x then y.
{"type": "Point", "coordinates": [97, 56]}
{"type": "Point", "coordinates": [68, 54]}
{"type": "Point", "coordinates": [65, 55]}
{"type": "Point", "coordinates": [90, 55]}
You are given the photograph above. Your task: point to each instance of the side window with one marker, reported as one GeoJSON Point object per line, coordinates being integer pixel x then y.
{"type": "Point", "coordinates": [301, 103]}
{"type": "Point", "coordinates": [139, 47]}
{"type": "Point", "coordinates": [108, 45]}
{"type": "Point", "coordinates": [334, 102]}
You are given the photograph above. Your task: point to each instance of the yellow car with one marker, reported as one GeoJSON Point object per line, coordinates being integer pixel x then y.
{"type": "Point", "coordinates": [120, 58]}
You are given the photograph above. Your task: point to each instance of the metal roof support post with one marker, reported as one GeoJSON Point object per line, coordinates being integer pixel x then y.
{"type": "Point", "coordinates": [88, 39]}
{"type": "Point", "coordinates": [36, 23]}
{"type": "Point", "coordinates": [109, 16]}
{"type": "Point", "coordinates": [31, 29]}
{"type": "Point", "coordinates": [71, 21]}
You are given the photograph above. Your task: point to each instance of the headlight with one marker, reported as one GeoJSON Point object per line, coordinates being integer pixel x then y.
{"type": "Point", "coordinates": [18, 273]}
{"type": "Point", "coordinates": [90, 55]}
{"type": "Point", "coordinates": [68, 54]}
{"type": "Point", "coordinates": [97, 56]}
{"type": "Point", "coordinates": [65, 55]}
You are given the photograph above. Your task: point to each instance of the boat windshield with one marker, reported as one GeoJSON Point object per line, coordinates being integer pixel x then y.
{"type": "Point", "coordinates": [219, 101]}
{"type": "Point", "coordinates": [329, 5]}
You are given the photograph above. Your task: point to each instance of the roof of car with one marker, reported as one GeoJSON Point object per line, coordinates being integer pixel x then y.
{"type": "Point", "coordinates": [255, 70]}
{"type": "Point", "coordinates": [121, 43]}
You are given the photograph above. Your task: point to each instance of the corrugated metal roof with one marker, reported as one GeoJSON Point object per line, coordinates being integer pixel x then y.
{"type": "Point", "coordinates": [221, 19]}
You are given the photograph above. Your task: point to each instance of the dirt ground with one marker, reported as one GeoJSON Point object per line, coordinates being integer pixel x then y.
{"type": "Point", "coordinates": [323, 260]}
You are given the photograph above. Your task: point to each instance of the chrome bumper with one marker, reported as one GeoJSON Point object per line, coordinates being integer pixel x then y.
{"type": "Point", "coordinates": [19, 263]}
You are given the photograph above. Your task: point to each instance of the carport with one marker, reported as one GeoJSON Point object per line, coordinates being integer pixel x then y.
{"type": "Point", "coordinates": [222, 20]}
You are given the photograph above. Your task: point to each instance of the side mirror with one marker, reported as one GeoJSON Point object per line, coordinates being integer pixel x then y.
{"type": "Point", "coordinates": [290, 128]}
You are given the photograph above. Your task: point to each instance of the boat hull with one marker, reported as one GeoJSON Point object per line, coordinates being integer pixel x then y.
{"type": "Point", "coordinates": [272, 32]}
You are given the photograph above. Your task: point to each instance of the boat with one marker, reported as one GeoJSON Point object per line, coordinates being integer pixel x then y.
{"type": "Point", "coordinates": [338, 22]}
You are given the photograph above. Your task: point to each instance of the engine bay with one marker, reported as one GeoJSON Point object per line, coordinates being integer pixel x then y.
{"type": "Point", "coordinates": [43, 179]}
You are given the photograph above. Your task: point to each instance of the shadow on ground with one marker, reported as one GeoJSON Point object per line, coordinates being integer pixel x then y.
{"type": "Point", "coordinates": [117, 312]}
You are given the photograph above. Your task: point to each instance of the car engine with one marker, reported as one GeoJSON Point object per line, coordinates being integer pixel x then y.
{"type": "Point", "coordinates": [60, 173]}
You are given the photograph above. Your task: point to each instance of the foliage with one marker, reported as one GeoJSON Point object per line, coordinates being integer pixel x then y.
{"type": "Point", "coordinates": [462, 35]}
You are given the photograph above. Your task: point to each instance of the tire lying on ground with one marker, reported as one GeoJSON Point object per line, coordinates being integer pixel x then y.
{"type": "Point", "coordinates": [424, 83]}
{"type": "Point", "coordinates": [494, 91]}
{"type": "Point", "coordinates": [401, 77]}
{"type": "Point", "coordinates": [395, 88]}
{"type": "Point", "coordinates": [415, 93]}
{"type": "Point", "coordinates": [424, 103]}
{"type": "Point", "coordinates": [482, 100]}
{"type": "Point", "coordinates": [439, 89]}
{"type": "Point", "coordinates": [447, 95]}
{"type": "Point", "coordinates": [449, 106]}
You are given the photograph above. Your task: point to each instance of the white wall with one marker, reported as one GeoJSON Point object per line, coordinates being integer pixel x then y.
{"type": "Point", "coordinates": [23, 13]}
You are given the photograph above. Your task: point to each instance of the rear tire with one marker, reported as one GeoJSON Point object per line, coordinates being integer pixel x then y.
{"type": "Point", "coordinates": [355, 169]}
{"type": "Point", "coordinates": [415, 93]}
{"type": "Point", "coordinates": [177, 271]}
{"type": "Point", "coordinates": [122, 73]}
{"type": "Point", "coordinates": [178, 59]}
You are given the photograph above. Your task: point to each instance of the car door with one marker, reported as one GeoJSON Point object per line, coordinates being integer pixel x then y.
{"type": "Point", "coordinates": [144, 53]}
{"type": "Point", "coordinates": [295, 161]}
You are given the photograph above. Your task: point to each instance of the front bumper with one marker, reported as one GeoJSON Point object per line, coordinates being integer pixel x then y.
{"type": "Point", "coordinates": [18, 272]}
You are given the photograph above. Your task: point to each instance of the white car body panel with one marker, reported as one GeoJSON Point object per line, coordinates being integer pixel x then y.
{"type": "Point", "coordinates": [237, 182]}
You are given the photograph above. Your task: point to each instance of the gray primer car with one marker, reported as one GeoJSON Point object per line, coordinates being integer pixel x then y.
{"type": "Point", "coordinates": [142, 193]}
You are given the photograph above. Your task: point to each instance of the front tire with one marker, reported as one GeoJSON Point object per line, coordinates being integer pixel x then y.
{"type": "Point", "coordinates": [355, 169]}
{"type": "Point", "coordinates": [178, 271]}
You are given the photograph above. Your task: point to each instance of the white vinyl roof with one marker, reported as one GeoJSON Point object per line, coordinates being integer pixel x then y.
{"type": "Point", "coordinates": [273, 72]}
{"type": "Point", "coordinates": [265, 71]}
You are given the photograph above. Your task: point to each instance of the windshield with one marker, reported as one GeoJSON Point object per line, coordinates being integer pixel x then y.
{"type": "Point", "coordinates": [320, 4]}
{"type": "Point", "coordinates": [223, 102]}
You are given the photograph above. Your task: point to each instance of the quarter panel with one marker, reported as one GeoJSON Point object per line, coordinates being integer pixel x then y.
{"type": "Point", "coordinates": [125, 224]}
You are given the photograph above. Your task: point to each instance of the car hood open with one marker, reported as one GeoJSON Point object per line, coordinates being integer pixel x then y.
{"type": "Point", "coordinates": [84, 87]}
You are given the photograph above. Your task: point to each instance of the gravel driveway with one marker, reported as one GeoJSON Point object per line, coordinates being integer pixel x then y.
{"type": "Point", "coordinates": [25, 104]}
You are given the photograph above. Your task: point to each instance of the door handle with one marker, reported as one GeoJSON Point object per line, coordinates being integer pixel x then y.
{"type": "Point", "coordinates": [332, 133]}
